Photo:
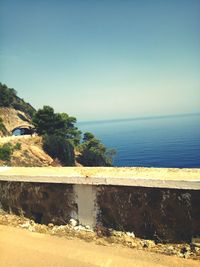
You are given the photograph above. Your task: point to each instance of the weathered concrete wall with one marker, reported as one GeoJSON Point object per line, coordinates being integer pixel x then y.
{"type": "Point", "coordinates": [167, 215]}
{"type": "Point", "coordinates": [43, 203]}
{"type": "Point", "coordinates": [160, 204]}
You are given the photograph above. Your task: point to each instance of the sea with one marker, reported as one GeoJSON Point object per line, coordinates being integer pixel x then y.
{"type": "Point", "coordinates": [164, 141]}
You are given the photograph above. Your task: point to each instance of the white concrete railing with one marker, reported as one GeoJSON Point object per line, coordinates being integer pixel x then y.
{"type": "Point", "coordinates": [135, 176]}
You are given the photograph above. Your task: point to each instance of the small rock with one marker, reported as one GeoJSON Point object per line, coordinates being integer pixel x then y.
{"type": "Point", "coordinates": [130, 234]}
{"type": "Point", "coordinates": [133, 245]}
{"type": "Point", "coordinates": [196, 242]}
{"type": "Point", "coordinates": [73, 222]}
{"type": "Point", "coordinates": [180, 255]}
{"type": "Point", "coordinates": [50, 225]}
{"type": "Point", "coordinates": [61, 227]}
{"type": "Point", "coordinates": [148, 243]}
{"type": "Point", "coordinates": [185, 250]}
{"type": "Point", "coordinates": [32, 222]}
{"type": "Point", "coordinates": [41, 228]}
{"type": "Point", "coordinates": [79, 228]}
{"type": "Point", "coordinates": [144, 244]}
{"type": "Point", "coordinates": [103, 231]}
{"type": "Point", "coordinates": [83, 228]}
{"type": "Point", "coordinates": [32, 228]}
{"type": "Point", "coordinates": [25, 225]}
{"type": "Point", "coordinates": [187, 255]}
{"type": "Point", "coordinates": [170, 250]}
{"type": "Point", "coordinates": [116, 233]}
{"type": "Point", "coordinates": [197, 249]}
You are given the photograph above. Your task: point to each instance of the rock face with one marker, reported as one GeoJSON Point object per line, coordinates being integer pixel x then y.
{"type": "Point", "coordinates": [31, 153]}
{"type": "Point", "coordinates": [13, 118]}
{"type": "Point", "coordinates": [165, 215]}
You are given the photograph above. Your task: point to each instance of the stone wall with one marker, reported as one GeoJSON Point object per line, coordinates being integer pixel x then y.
{"type": "Point", "coordinates": [167, 215]}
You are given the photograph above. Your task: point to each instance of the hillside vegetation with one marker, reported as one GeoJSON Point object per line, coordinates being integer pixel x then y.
{"type": "Point", "coordinates": [59, 138]}
{"type": "Point", "coordinates": [24, 151]}
{"type": "Point", "coordinates": [9, 98]}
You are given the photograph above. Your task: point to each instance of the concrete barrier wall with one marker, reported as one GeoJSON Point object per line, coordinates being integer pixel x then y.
{"type": "Point", "coordinates": [41, 202]}
{"type": "Point", "coordinates": [167, 215]}
{"type": "Point", "coordinates": [156, 212]}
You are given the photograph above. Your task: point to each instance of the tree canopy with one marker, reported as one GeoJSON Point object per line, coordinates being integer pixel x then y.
{"type": "Point", "coordinates": [94, 153]}
{"type": "Point", "coordinates": [9, 98]}
{"type": "Point", "coordinates": [60, 135]}
{"type": "Point", "coordinates": [48, 122]}
{"type": "Point", "coordinates": [59, 148]}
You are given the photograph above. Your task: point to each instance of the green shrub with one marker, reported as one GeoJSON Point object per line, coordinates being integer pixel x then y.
{"type": "Point", "coordinates": [94, 153]}
{"type": "Point", "coordinates": [17, 146]}
{"type": "Point", "coordinates": [58, 147]}
{"type": "Point", "coordinates": [6, 151]}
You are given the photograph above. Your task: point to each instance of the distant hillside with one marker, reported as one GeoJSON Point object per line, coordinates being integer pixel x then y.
{"type": "Point", "coordinates": [22, 150]}
{"type": "Point", "coordinates": [56, 141]}
{"type": "Point", "coordinates": [14, 111]}
{"type": "Point", "coordinates": [9, 99]}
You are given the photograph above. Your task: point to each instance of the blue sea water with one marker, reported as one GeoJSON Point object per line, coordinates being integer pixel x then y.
{"type": "Point", "coordinates": [171, 141]}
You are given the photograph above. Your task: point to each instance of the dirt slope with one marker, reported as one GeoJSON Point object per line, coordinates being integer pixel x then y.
{"type": "Point", "coordinates": [30, 154]}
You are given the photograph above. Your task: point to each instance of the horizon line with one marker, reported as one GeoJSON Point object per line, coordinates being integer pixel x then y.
{"type": "Point", "coordinates": [140, 118]}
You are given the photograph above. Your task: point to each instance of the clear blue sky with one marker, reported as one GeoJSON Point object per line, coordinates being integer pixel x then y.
{"type": "Point", "coordinates": [103, 59]}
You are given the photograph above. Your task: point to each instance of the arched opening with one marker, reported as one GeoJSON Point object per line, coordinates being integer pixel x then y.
{"type": "Point", "coordinates": [23, 130]}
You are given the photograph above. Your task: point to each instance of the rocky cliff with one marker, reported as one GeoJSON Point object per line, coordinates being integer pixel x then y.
{"type": "Point", "coordinates": [30, 152]}
{"type": "Point", "coordinates": [13, 118]}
